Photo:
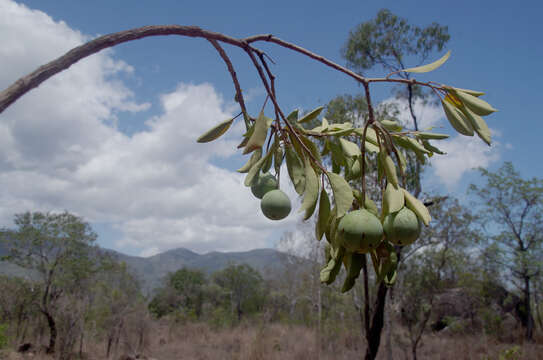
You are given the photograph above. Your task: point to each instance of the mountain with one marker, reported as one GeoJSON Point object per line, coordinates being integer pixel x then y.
{"type": "Point", "coordinates": [152, 270]}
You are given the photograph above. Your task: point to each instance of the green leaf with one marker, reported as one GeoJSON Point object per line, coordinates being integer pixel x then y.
{"type": "Point", "coordinates": [393, 199]}
{"type": "Point", "coordinates": [391, 125]}
{"type": "Point", "coordinates": [311, 192]}
{"type": "Point", "coordinates": [353, 266]}
{"type": "Point", "coordinates": [252, 160]}
{"type": "Point", "coordinates": [371, 136]}
{"type": "Point", "coordinates": [278, 159]}
{"type": "Point", "coordinates": [417, 207]}
{"type": "Point", "coordinates": [312, 147]}
{"type": "Point", "coordinates": [478, 106]}
{"type": "Point", "coordinates": [323, 215]}
{"type": "Point", "coordinates": [295, 170]}
{"type": "Point", "coordinates": [259, 135]}
{"type": "Point", "coordinates": [432, 148]}
{"type": "Point", "coordinates": [457, 119]}
{"type": "Point", "coordinates": [349, 148]}
{"type": "Point", "coordinates": [311, 115]}
{"type": "Point", "coordinates": [343, 194]}
{"type": "Point", "coordinates": [215, 132]}
{"type": "Point", "coordinates": [432, 136]}
{"type": "Point", "coordinates": [431, 66]}
{"type": "Point", "coordinates": [479, 125]}
{"type": "Point", "coordinates": [255, 169]}
{"type": "Point", "coordinates": [371, 147]}
{"type": "Point", "coordinates": [390, 169]}
{"type": "Point", "coordinates": [293, 116]}
{"type": "Point", "coordinates": [471, 92]}
{"type": "Point", "coordinates": [330, 271]}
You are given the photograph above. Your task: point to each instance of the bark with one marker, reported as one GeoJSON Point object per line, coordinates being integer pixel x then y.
{"type": "Point", "coordinates": [52, 332]}
{"type": "Point", "coordinates": [527, 306]}
{"type": "Point", "coordinates": [374, 336]}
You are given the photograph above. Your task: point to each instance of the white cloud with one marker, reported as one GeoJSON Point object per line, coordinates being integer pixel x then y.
{"type": "Point", "coordinates": [463, 154]}
{"type": "Point", "coordinates": [60, 149]}
{"type": "Point", "coordinates": [428, 115]}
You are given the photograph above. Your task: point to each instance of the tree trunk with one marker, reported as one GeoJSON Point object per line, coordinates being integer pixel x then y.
{"type": "Point", "coordinates": [527, 306]}
{"type": "Point", "coordinates": [374, 336]}
{"type": "Point", "coordinates": [52, 332]}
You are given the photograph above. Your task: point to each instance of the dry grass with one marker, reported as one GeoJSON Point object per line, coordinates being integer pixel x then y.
{"type": "Point", "coordinates": [277, 341]}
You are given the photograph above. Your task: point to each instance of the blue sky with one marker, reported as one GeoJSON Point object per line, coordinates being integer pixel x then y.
{"type": "Point", "coordinates": [121, 164]}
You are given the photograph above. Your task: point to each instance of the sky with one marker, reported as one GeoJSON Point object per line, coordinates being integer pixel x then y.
{"type": "Point", "coordinates": [113, 138]}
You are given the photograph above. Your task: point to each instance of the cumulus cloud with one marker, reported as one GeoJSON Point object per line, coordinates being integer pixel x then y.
{"type": "Point", "coordinates": [428, 115]}
{"type": "Point", "coordinates": [60, 149]}
{"type": "Point", "coordinates": [463, 154]}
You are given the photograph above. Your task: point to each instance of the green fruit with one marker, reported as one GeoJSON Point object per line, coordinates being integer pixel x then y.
{"type": "Point", "coordinates": [275, 205]}
{"type": "Point", "coordinates": [402, 227]}
{"type": "Point", "coordinates": [264, 184]}
{"type": "Point", "coordinates": [360, 231]}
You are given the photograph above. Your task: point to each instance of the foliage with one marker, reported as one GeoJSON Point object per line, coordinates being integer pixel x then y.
{"type": "Point", "coordinates": [511, 211]}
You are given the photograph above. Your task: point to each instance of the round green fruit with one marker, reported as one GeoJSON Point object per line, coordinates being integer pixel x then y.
{"type": "Point", "coordinates": [402, 227]}
{"type": "Point", "coordinates": [263, 184]}
{"type": "Point", "coordinates": [275, 205]}
{"type": "Point", "coordinates": [360, 231]}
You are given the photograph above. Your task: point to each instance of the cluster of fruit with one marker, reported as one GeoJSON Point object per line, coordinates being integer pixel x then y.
{"type": "Point", "coordinates": [275, 204]}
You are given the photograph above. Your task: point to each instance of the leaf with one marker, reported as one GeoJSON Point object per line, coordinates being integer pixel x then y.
{"type": "Point", "coordinates": [215, 132]}
{"type": "Point", "coordinates": [311, 192]}
{"type": "Point", "coordinates": [312, 147]}
{"type": "Point", "coordinates": [259, 135]}
{"type": "Point", "coordinates": [371, 147]}
{"type": "Point", "coordinates": [457, 119]}
{"type": "Point", "coordinates": [432, 148]}
{"type": "Point", "coordinates": [329, 272]}
{"type": "Point", "coordinates": [255, 169]}
{"type": "Point", "coordinates": [431, 66]}
{"type": "Point", "coordinates": [343, 194]}
{"type": "Point", "coordinates": [371, 136]}
{"type": "Point", "coordinates": [369, 204]}
{"type": "Point", "coordinates": [478, 106]}
{"type": "Point", "coordinates": [417, 207]}
{"type": "Point", "coordinates": [323, 215]}
{"type": "Point", "coordinates": [393, 199]}
{"type": "Point", "coordinates": [355, 264]}
{"type": "Point", "coordinates": [311, 115]}
{"type": "Point", "coordinates": [349, 148]}
{"type": "Point", "coordinates": [479, 125]}
{"type": "Point", "coordinates": [471, 92]}
{"type": "Point", "coordinates": [278, 159]}
{"type": "Point", "coordinates": [252, 160]}
{"type": "Point", "coordinates": [390, 169]}
{"type": "Point", "coordinates": [391, 125]}
{"type": "Point", "coordinates": [295, 170]}
{"type": "Point", "coordinates": [432, 136]}
{"type": "Point", "coordinates": [293, 116]}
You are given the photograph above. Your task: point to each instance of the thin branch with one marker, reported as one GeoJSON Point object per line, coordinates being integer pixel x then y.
{"type": "Point", "coordinates": [239, 95]}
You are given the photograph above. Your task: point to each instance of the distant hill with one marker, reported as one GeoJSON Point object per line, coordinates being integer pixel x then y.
{"type": "Point", "coordinates": [151, 270]}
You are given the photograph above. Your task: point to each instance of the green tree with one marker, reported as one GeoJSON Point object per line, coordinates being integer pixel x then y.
{"type": "Point", "coordinates": [185, 290]}
{"type": "Point", "coordinates": [58, 247]}
{"type": "Point", "coordinates": [438, 266]}
{"type": "Point", "coordinates": [511, 210]}
{"type": "Point", "coordinates": [243, 286]}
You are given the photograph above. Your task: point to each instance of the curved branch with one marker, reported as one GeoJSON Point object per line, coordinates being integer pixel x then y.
{"type": "Point", "coordinates": [35, 78]}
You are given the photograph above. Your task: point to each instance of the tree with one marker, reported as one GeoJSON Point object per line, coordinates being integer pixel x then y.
{"type": "Point", "coordinates": [435, 265]}
{"type": "Point", "coordinates": [184, 290]}
{"type": "Point", "coordinates": [511, 210]}
{"type": "Point", "coordinates": [242, 285]}
{"type": "Point", "coordinates": [286, 138]}
{"type": "Point", "coordinates": [59, 248]}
